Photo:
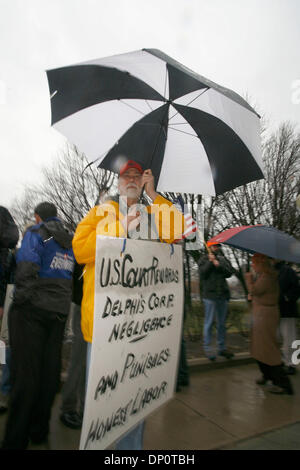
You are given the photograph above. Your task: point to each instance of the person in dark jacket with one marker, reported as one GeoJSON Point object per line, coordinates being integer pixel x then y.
{"type": "Point", "coordinates": [9, 233]}
{"type": "Point", "coordinates": [4, 337]}
{"type": "Point", "coordinates": [43, 288]}
{"type": "Point", "coordinates": [289, 294]}
{"type": "Point", "coordinates": [9, 236]}
{"type": "Point", "coordinates": [214, 269]}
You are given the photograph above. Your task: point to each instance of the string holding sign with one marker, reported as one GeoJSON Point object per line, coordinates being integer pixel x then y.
{"type": "Point", "coordinates": [124, 247]}
{"type": "Point", "coordinates": [172, 249]}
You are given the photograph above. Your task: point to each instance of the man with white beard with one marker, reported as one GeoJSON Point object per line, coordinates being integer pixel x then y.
{"type": "Point", "coordinates": [122, 216]}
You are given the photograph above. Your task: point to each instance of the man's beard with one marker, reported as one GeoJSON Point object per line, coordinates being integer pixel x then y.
{"type": "Point", "coordinates": [133, 193]}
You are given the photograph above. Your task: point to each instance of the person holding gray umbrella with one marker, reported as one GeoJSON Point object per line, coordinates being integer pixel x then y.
{"type": "Point", "coordinates": [263, 289]}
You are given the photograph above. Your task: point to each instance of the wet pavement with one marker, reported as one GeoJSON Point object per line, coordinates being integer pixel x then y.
{"type": "Point", "coordinates": [222, 408]}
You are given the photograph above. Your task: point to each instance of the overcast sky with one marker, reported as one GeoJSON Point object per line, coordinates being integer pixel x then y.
{"type": "Point", "coordinates": [249, 46]}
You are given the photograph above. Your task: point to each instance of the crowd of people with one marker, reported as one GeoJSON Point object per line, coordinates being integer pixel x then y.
{"type": "Point", "coordinates": [53, 273]}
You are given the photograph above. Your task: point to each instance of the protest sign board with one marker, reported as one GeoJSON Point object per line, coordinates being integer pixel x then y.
{"type": "Point", "coordinates": [7, 304]}
{"type": "Point", "coordinates": [4, 339]}
{"type": "Point", "coordinates": [136, 338]}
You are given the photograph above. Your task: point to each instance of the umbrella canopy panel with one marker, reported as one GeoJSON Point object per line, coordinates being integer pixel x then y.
{"type": "Point", "coordinates": [196, 136]}
{"type": "Point", "coordinates": [261, 239]}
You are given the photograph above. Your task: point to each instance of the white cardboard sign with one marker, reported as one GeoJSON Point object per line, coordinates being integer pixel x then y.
{"type": "Point", "coordinates": [137, 331]}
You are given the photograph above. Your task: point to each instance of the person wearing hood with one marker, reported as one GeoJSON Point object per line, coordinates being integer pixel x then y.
{"type": "Point", "coordinates": [43, 289]}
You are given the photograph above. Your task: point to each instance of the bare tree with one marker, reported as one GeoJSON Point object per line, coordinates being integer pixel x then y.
{"type": "Point", "coordinates": [22, 208]}
{"type": "Point", "coordinates": [74, 186]}
{"type": "Point", "coordinates": [71, 184]}
{"type": "Point", "coordinates": [282, 161]}
{"type": "Point", "coordinates": [270, 201]}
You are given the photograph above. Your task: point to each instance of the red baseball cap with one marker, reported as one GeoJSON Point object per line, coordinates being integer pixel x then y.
{"type": "Point", "coordinates": [130, 164]}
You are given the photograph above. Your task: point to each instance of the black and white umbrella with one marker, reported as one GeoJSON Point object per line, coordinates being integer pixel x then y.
{"type": "Point", "coordinates": [195, 135]}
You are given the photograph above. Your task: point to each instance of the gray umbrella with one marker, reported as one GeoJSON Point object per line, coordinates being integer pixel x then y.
{"type": "Point", "coordinates": [261, 239]}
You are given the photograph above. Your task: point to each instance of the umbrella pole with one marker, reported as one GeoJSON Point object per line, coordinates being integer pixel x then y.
{"type": "Point", "coordinates": [204, 242]}
{"type": "Point", "coordinates": [200, 221]}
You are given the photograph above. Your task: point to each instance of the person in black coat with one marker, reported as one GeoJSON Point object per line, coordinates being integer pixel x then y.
{"type": "Point", "coordinates": [8, 278]}
{"type": "Point", "coordinates": [9, 236]}
{"type": "Point", "coordinates": [289, 293]}
{"type": "Point", "coordinates": [214, 269]}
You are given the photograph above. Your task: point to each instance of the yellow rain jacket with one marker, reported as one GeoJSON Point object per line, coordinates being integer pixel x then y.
{"type": "Point", "coordinates": [106, 220]}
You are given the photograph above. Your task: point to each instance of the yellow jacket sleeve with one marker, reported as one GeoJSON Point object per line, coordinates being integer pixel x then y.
{"type": "Point", "coordinates": [84, 240]}
{"type": "Point", "coordinates": [101, 220]}
{"type": "Point", "coordinates": [169, 220]}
